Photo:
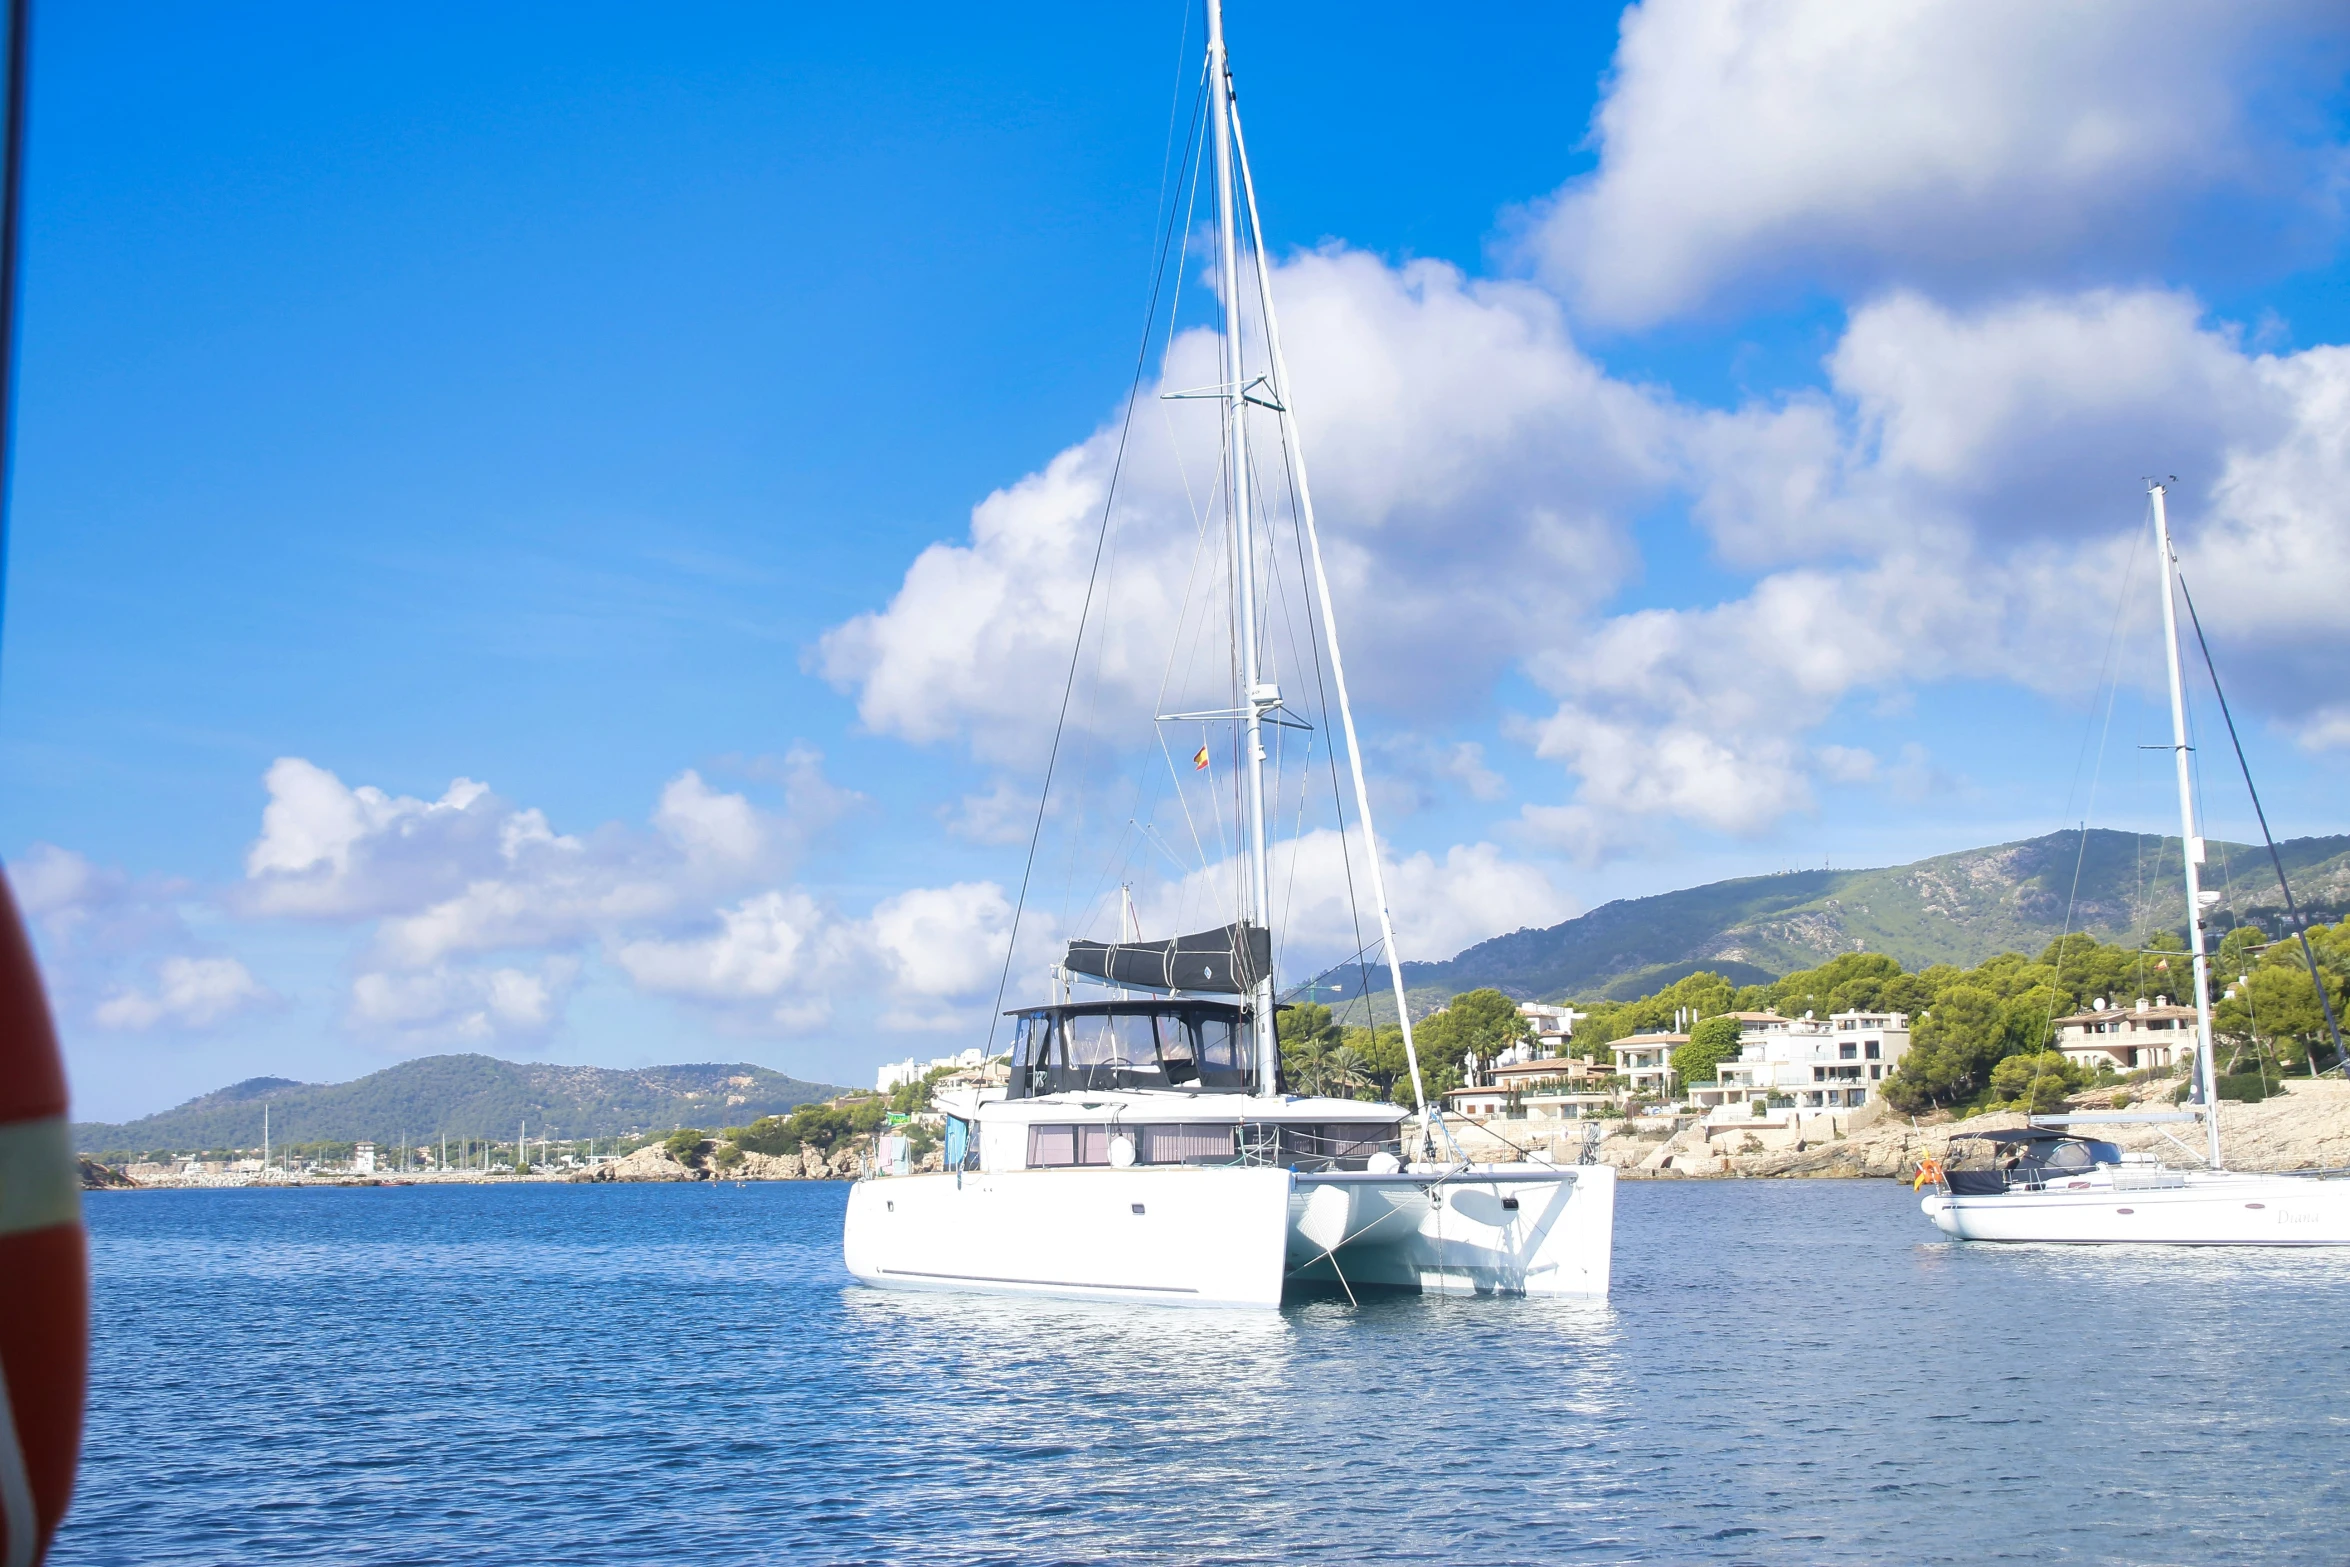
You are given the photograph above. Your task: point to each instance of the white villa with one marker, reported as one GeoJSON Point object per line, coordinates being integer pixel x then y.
{"type": "Point", "coordinates": [1645, 1062]}
{"type": "Point", "coordinates": [1816, 1064]}
{"type": "Point", "coordinates": [2132, 1040]}
{"type": "Point", "coordinates": [913, 1071]}
{"type": "Point", "coordinates": [1553, 1025]}
{"type": "Point", "coordinates": [1554, 1086]}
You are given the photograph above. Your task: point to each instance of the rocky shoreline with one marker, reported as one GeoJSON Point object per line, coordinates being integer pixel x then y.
{"type": "Point", "coordinates": [2306, 1127]}
{"type": "Point", "coordinates": [657, 1163]}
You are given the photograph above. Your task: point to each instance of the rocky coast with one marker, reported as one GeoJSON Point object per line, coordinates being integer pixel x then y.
{"type": "Point", "coordinates": [2306, 1127]}
{"type": "Point", "coordinates": [725, 1162]}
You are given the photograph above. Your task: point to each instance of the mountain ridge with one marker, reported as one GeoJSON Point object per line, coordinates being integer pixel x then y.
{"type": "Point", "coordinates": [461, 1096]}
{"type": "Point", "coordinates": [1957, 908]}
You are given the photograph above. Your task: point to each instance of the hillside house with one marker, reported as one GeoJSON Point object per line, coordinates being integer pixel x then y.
{"type": "Point", "coordinates": [1518, 1086]}
{"type": "Point", "coordinates": [1815, 1063]}
{"type": "Point", "coordinates": [2149, 1036]}
{"type": "Point", "coordinates": [1645, 1062]}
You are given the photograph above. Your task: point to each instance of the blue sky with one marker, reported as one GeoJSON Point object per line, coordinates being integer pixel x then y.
{"type": "Point", "coordinates": [558, 400]}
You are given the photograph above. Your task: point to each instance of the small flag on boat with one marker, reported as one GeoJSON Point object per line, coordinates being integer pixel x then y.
{"type": "Point", "coordinates": [1199, 761]}
{"type": "Point", "coordinates": [2163, 964]}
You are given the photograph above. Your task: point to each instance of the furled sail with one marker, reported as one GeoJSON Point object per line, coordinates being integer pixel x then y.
{"type": "Point", "coordinates": [1225, 962]}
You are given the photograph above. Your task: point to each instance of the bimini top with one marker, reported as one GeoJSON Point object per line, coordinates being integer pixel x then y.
{"type": "Point", "coordinates": [1202, 1046]}
{"type": "Point", "coordinates": [2020, 1134]}
{"type": "Point", "coordinates": [2021, 1158]}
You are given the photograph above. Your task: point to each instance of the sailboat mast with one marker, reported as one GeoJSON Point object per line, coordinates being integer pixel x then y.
{"type": "Point", "coordinates": [2191, 846]}
{"type": "Point", "coordinates": [1259, 697]}
{"type": "Point", "coordinates": [1346, 712]}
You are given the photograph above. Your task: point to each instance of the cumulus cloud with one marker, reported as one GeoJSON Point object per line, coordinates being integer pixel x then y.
{"type": "Point", "coordinates": [944, 941]}
{"type": "Point", "coordinates": [1453, 424]}
{"type": "Point", "coordinates": [1442, 903]}
{"type": "Point", "coordinates": [485, 917]}
{"type": "Point", "coordinates": [1959, 145]}
{"type": "Point", "coordinates": [446, 1004]}
{"type": "Point", "coordinates": [1964, 500]}
{"type": "Point", "coordinates": [117, 950]}
{"type": "Point", "coordinates": [189, 992]}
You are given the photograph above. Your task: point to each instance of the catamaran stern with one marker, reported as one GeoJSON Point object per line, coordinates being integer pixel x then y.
{"type": "Point", "coordinates": [1525, 1229]}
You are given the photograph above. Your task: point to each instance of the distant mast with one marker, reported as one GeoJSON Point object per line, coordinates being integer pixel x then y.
{"type": "Point", "coordinates": [2190, 845]}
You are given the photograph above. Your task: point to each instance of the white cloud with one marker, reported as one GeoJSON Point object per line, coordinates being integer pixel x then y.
{"type": "Point", "coordinates": [764, 947]}
{"type": "Point", "coordinates": [326, 849]}
{"type": "Point", "coordinates": [452, 1005]}
{"type": "Point", "coordinates": [1455, 429]}
{"type": "Point", "coordinates": [1963, 502]}
{"type": "Point", "coordinates": [189, 992]}
{"type": "Point", "coordinates": [1441, 904]}
{"type": "Point", "coordinates": [944, 941]}
{"type": "Point", "coordinates": [1957, 144]}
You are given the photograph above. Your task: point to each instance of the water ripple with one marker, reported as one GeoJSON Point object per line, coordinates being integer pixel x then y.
{"type": "Point", "coordinates": [1787, 1373]}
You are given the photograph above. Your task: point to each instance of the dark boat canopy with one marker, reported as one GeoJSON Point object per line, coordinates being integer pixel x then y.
{"type": "Point", "coordinates": [2024, 1158]}
{"type": "Point", "coordinates": [1225, 962]}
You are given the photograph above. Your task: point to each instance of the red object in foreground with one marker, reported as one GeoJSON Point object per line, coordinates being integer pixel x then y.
{"type": "Point", "coordinates": [44, 1262]}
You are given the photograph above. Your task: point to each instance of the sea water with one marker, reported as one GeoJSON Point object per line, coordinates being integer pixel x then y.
{"type": "Point", "coordinates": [1787, 1372]}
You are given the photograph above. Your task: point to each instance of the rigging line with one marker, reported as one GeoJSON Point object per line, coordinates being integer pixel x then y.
{"type": "Point", "coordinates": [2111, 685]}
{"type": "Point", "coordinates": [1280, 382]}
{"type": "Point", "coordinates": [1085, 609]}
{"type": "Point", "coordinates": [1322, 708]}
{"type": "Point", "coordinates": [1196, 162]}
{"type": "Point", "coordinates": [1297, 838]}
{"type": "Point", "coordinates": [1079, 827]}
{"type": "Point", "coordinates": [2292, 915]}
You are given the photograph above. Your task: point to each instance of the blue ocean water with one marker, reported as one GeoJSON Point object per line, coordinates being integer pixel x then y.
{"type": "Point", "coordinates": [1788, 1372]}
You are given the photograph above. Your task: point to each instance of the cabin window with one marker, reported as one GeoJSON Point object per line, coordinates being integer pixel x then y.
{"type": "Point", "coordinates": [1141, 1047]}
{"type": "Point", "coordinates": [1110, 1052]}
{"type": "Point", "coordinates": [1056, 1147]}
{"type": "Point", "coordinates": [1184, 1144]}
{"type": "Point", "coordinates": [1342, 1145]}
{"type": "Point", "coordinates": [1222, 1060]}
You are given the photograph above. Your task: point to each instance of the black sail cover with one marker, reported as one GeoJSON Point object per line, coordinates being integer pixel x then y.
{"type": "Point", "coordinates": [1225, 962]}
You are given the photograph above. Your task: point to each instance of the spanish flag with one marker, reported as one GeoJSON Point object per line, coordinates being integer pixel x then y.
{"type": "Point", "coordinates": [1199, 762]}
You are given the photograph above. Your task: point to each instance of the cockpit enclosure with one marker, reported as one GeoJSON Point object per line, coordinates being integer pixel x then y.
{"type": "Point", "coordinates": [1202, 1046]}
{"type": "Point", "coordinates": [1982, 1164]}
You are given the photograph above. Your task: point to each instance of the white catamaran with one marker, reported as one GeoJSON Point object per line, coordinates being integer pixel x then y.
{"type": "Point", "coordinates": [2046, 1182]}
{"type": "Point", "coordinates": [1144, 1149]}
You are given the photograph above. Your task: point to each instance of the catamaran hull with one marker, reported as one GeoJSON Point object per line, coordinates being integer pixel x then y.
{"type": "Point", "coordinates": [1233, 1237]}
{"type": "Point", "coordinates": [1175, 1236]}
{"type": "Point", "coordinates": [1488, 1230]}
{"type": "Point", "coordinates": [2203, 1211]}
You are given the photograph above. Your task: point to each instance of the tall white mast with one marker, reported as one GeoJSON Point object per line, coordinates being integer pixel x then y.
{"type": "Point", "coordinates": [2191, 846]}
{"type": "Point", "coordinates": [1346, 712]}
{"type": "Point", "coordinates": [1260, 698]}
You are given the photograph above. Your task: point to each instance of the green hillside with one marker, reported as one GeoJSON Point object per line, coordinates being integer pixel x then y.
{"type": "Point", "coordinates": [461, 1096]}
{"type": "Point", "coordinates": [1955, 908]}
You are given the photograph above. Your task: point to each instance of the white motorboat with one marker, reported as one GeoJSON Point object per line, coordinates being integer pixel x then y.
{"type": "Point", "coordinates": [1145, 1147]}
{"type": "Point", "coordinates": [2050, 1182]}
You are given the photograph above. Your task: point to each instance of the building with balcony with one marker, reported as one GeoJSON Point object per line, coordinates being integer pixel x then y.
{"type": "Point", "coordinates": [1518, 1086]}
{"type": "Point", "coordinates": [1552, 1025]}
{"type": "Point", "coordinates": [1645, 1063]}
{"type": "Point", "coordinates": [1807, 1063]}
{"type": "Point", "coordinates": [2149, 1036]}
